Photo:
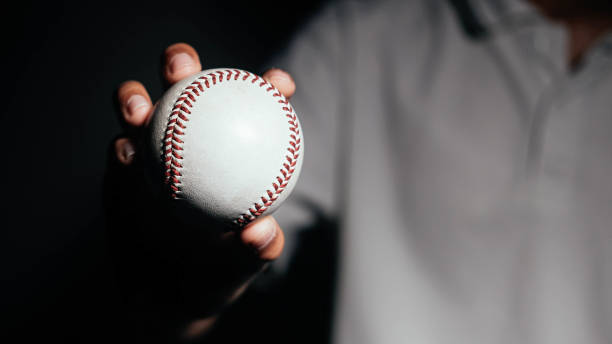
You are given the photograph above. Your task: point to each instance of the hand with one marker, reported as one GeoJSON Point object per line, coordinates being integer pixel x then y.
{"type": "Point", "coordinates": [168, 268]}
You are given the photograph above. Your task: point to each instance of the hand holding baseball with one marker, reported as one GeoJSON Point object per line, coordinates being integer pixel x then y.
{"type": "Point", "coordinates": [213, 267]}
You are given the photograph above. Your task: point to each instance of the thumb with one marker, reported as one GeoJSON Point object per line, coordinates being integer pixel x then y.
{"type": "Point", "coordinates": [265, 236]}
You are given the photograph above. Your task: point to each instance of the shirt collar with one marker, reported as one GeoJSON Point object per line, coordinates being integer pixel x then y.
{"type": "Point", "coordinates": [503, 15]}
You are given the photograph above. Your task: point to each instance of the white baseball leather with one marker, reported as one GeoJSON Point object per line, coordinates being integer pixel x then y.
{"type": "Point", "coordinates": [224, 144]}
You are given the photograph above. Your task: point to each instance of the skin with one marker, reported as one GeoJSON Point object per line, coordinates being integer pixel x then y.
{"type": "Point", "coordinates": [585, 21]}
{"type": "Point", "coordinates": [263, 238]}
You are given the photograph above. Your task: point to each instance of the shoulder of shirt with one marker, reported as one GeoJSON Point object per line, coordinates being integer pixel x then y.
{"type": "Point", "coordinates": [368, 12]}
{"type": "Point", "coordinates": [336, 20]}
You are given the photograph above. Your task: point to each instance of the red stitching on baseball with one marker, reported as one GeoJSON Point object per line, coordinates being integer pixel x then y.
{"type": "Point", "coordinates": [172, 148]}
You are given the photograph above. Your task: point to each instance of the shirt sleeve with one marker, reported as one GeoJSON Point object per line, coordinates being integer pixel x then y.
{"type": "Point", "coordinates": [312, 60]}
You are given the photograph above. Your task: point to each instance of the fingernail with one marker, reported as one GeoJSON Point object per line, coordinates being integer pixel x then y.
{"type": "Point", "coordinates": [279, 75]}
{"type": "Point", "coordinates": [137, 105]}
{"type": "Point", "coordinates": [127, 151]}
{"type": "Point", "coordinates": [263, 232]}
{"type": "Point", "coordinates": [180, 61]}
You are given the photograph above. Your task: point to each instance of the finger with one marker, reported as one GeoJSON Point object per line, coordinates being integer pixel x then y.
{"type": "Point", "coordinates": [135, 102]}
{"type": "Point", "coordinates": [265, 236]}
{"type": "Point", "coordinates": [124, 149]}
{"type": "Point", "coordinates": [281, 80]}
{"type": "Point", "coordinates": [180, 61]}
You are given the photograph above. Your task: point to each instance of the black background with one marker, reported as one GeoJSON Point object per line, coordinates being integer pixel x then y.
{"type": "Point", "coordinates": [61, 65]}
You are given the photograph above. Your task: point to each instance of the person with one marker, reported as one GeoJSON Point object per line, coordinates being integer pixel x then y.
{"type": "Point", "coordinates": [464, 149]}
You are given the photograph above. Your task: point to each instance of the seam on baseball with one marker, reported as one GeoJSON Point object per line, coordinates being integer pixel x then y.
{"type": "Point", "coordinates": [172, 155]}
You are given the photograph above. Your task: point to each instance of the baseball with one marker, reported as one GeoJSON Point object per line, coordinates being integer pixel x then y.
{"type": "Point", "coordinates": [224, 144]}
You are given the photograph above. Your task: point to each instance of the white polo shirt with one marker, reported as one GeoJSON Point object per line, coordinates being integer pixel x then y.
{"type": "Point", "coordinates": [472, 176]}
